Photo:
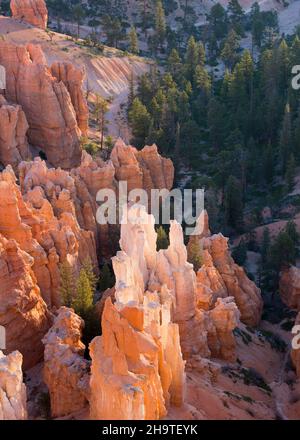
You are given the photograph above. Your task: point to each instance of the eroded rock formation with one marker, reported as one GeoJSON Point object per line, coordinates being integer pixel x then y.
{"type": "Point", "coordinates": [137, 367]}
{"type": "Point", "coordinates": [155, 314]}
{"type": "Point", "coordinates": [13, 128]}
{"type": "Point", "coordinates": [33, 12]}
{"type": "Point", "coordinates": [142, 169]}
{"type": "Point", "coordinates": [66, 372]}
{"type": "Point", "coordinates": [220, 277]}
{"type": "Point", "coordinates": [72, 77]}
{"type": "Point", "coordinates": [12, 388]}
{"type": "Point", "coordinates": [50, 113]}
{"type": "Point", "coordinates": [30, 219]}
{"type": "Point", "coordinates": [289, 287]}
{"type": "Point", "coordinates": [23, 313]}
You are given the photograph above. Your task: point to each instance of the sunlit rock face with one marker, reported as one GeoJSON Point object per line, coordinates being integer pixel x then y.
{"type": "Point", "coordinates": [13, 129]}
{"type": "Point", "coordinates": [142, 169]}
{"type": "Point", "coordinates": [220, 277]}
{"type": "Point", "coordinates": [154, 322]}
{"type": "Point", "coordinates": [33, 12]}
{"type": "Point", "coordinates": [137, 368]}
{"type": "Point", "coordinates": [66, 372]}
{"type": "Point", "coordinates": [23, 312]}
{"type": "Point", "coordinates": [289, 287]}
{"type": "Point", "coordinates": [73, 78]}
{"type": "Point", "coordinates": [12, 388]}
{"type": "Point", "coordinates": [45, 101]}
{"type": "Point", "coordinates": [49, 237]}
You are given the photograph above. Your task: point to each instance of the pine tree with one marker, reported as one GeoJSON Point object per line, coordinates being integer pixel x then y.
{"type": "Point", "coordinates": [90, 272]}
{"type": "Point", "coordinates": [229, 52]}
{"type": "Point", "coordinates": [160, 23]}
{"type": "Point", "coordinates": [134, 42]}
{"type": "Point", "coordinates": [83, 301]}
{"type": "Point", "coordinates": [233, 204]}
{"type": "Point", "coordinates": [285, 143]}
{"type": "Point", "coordinates": [140, 120]}
{"type": "Point", "coordinates": [101, 107]}
{"type": "Point", "coordinates": [195, 256]}
{"type": "Point", "coordinates": [202, 81]}
{"type": "Point", "coordinates": [191, 58]}
{"type": "Point", "coordinates": [78, 15]}
{"type": "Point", "coordinates": [162, 239]}
{"type": "Point", "coordinates": [236, 14]}
{"type": "Point", "coordinates": [67, 283]}
{"type": "Point", "coordinates": [290, 172]}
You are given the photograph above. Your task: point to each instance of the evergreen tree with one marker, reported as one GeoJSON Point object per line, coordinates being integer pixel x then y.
{"type": "Point", "coordinates": [174, 64]}
{"type": "Point", "coordinates": [236, 16]}
{"type": "Point", "coordinates": [217, 21]}
{"type": "Point", "coordinates": [191, 58]}
{"type": "Point", "coordinates": [162, 239]}
{"type": "Point", "coordinates": [195, 255]}
{"type": "Point", "coordinates": [230, 49]}
{"type": "Point", "coordinates": [285, 143]}
{"type": "Point", "coordinates": [160, 23]}
{"type": "Point", "coordinates": [233, 204]}
{"type": "Point", "coordinates": [140, 120]}
{"type": "Point", "coordinates": [67, 283]}
{"type": "Point", "coordinates": [78, 14]}
{"type": "Point", "coordinates": [290, 172]}
{"type": "Point", "coordinates": [101, 107]}
{"type": "Point", "coordinates": [90, 272]}
{"type": "Point", "coordinates": [83, 301]}
{"type": "Point", "coordinates": [133, 40]}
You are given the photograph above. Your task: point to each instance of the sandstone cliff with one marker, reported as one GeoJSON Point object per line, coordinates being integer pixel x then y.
{"type": "Point", "coordinates": [155, 314]}
{"type": "Point", "coordinates": [12, 389]}
{"type": "Point", "coordinates": [23, 312]}
{"type": "Point", "coordinates": [220, 277]}
{"type": "Point", "coordinates": [33, 12]}
{"type": "Point", "coordinates": [66, 372]}
{"type": "Point", "coordinates": [13, 128]}
{"type": "Point", "coordinates": [289, 287]}
{"type": "Point", "coordinates": [50, 113]}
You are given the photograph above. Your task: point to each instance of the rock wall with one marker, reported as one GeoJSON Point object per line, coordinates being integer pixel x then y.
{"type": "Point", "coordinates": [220, 277]}
{"type": "Point", "coordinates": [142, 169]}
{"type": "Point", "coordinates": [49, 237]}
{"type": "Point", "coordinates": [45, 101]}
{"type": "Point", "coordinates": [13, 128]}
{"type": "Point", "coordinates": [33, 12]}
{"type": "Point", "coordinates": [289, 287]}
{"type": "Point", "coordinates": [137, 368]}
{"type": "Point", "coordinates": [73, 78]}
{"type": "Point", "coordinates": [23, 313]}
{"type": "Point", "coordinates": [12, 389]}
{"type": "Point", "coordinates": [155, 318]}
{"type": "Point", "coordinates": [66, 372]}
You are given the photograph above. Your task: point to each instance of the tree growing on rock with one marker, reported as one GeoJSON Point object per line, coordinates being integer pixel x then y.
{"type": "Point", "coordinates": [101, 107]}
{"type": "Point", "coordinates": [67, 283]}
